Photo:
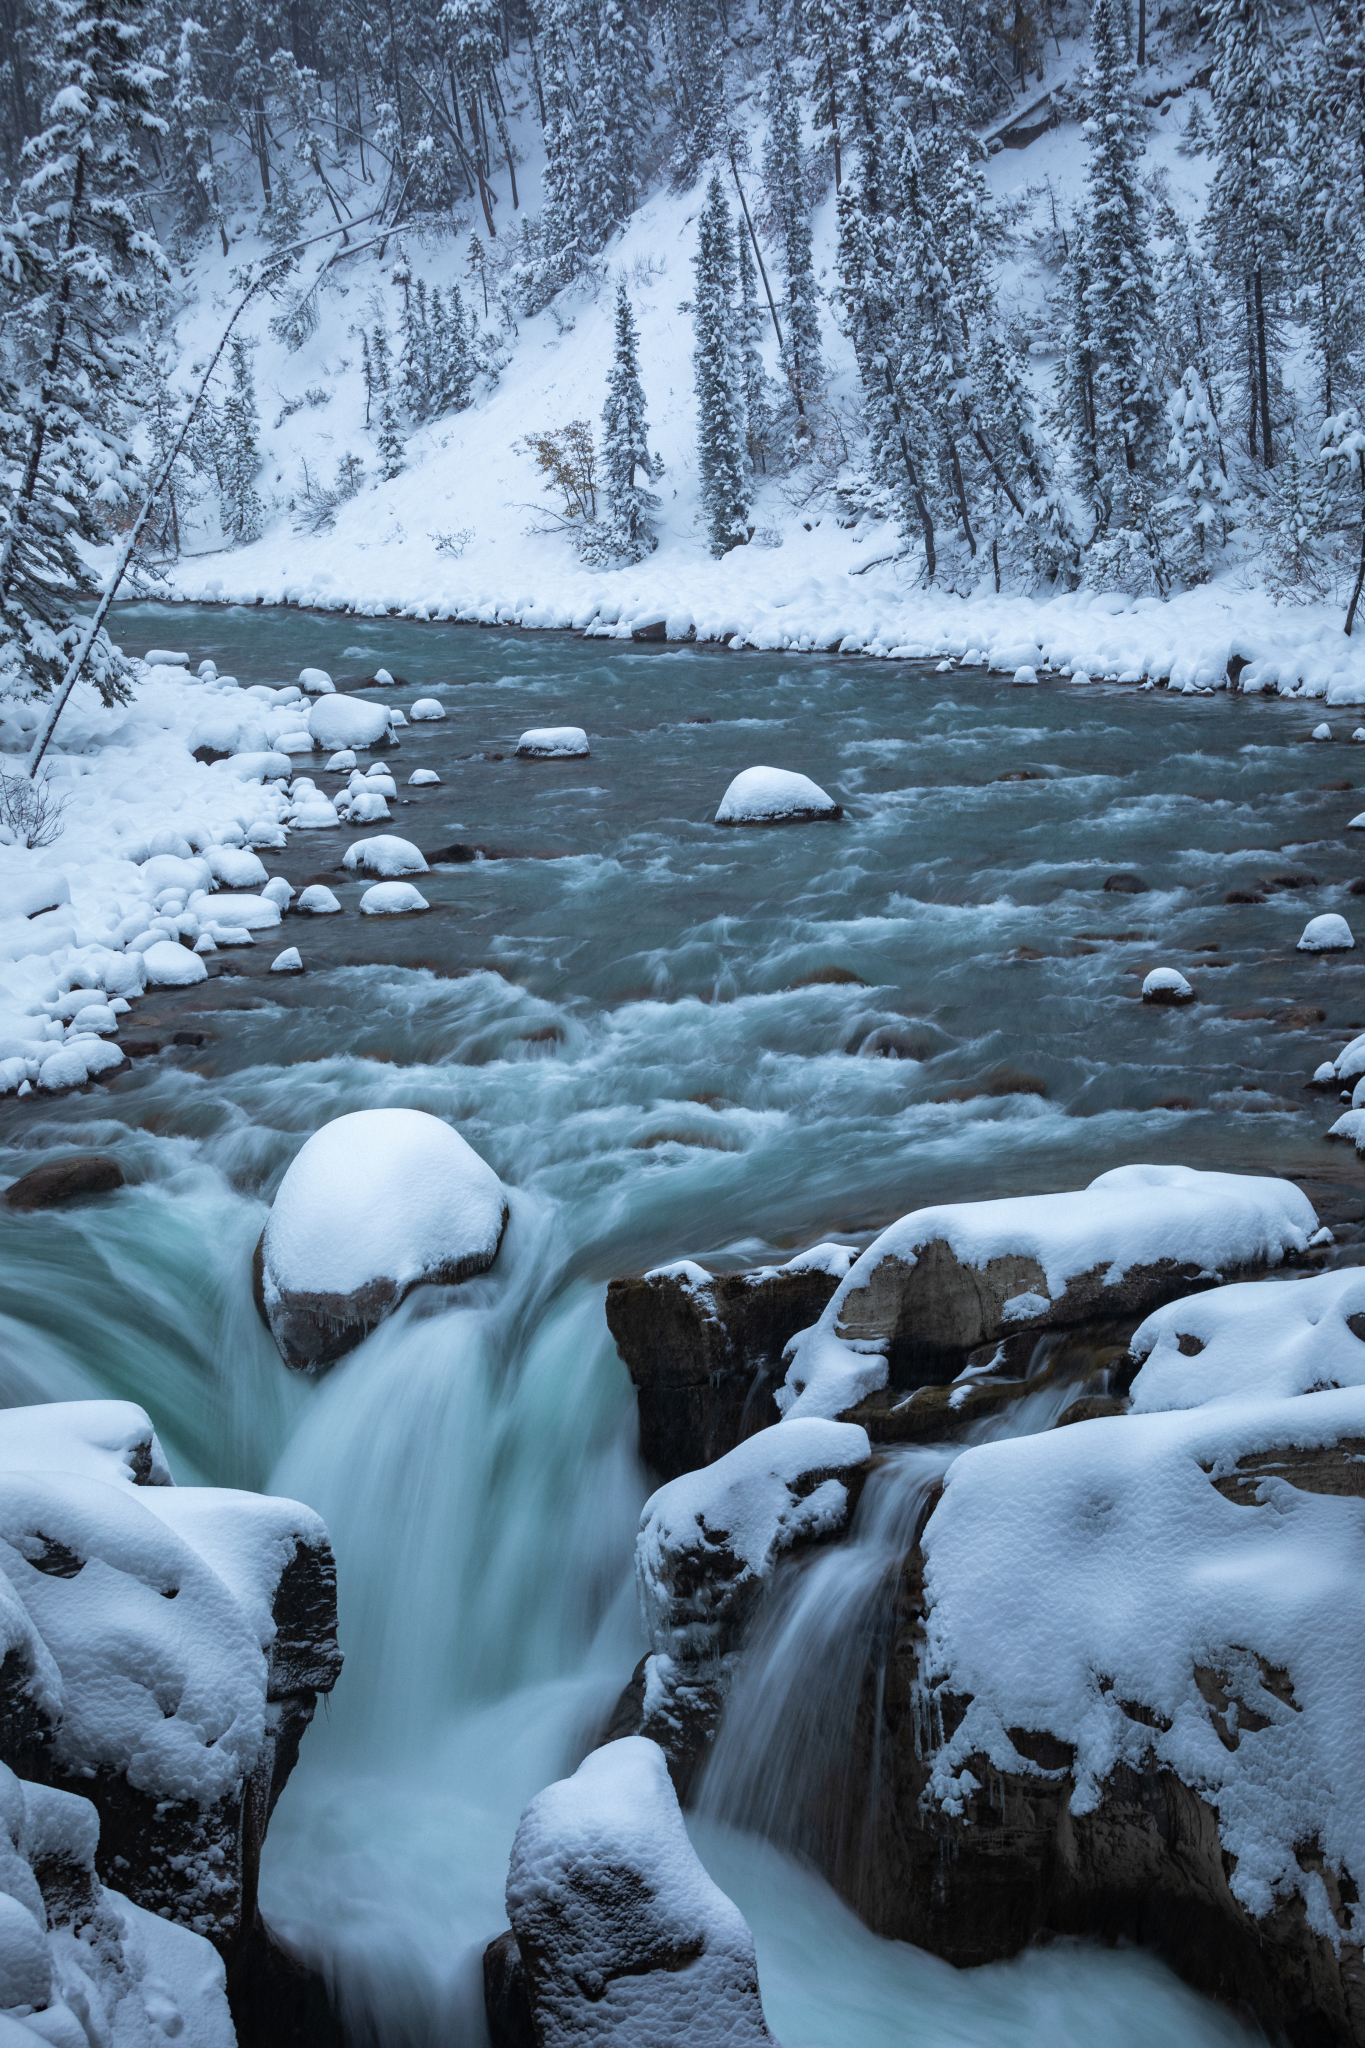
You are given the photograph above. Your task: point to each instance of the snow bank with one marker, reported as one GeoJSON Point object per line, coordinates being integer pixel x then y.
{"type": "Point", "coordinates": [385, 854]}
{"type": "Point", "coordinates": [376, 1202]}
{"type": "Point", "coordinates": [552, 743]}
{"type": "Point", "coordinates": [623, 1935]}
{"type": "Point", "coordinates": [1255, 1339]}
{"type": "Point", "coordinates": [764, 796]}
{"type": "Point", "coordinates": [1033, 1258]}
{"type": "Point", "coordinates": [1156, 1588]}
{"type": "Point", "coordinates": [340, 721]}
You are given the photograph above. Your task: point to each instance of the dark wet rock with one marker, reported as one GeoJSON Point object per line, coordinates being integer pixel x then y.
{"type": "Point", "coordinates": [1022, 775]}
{"type": "Point", "coordinates": [193, 1038]}
{"type": "Point", "coordinates": [1334, 786]}
{"type": "Point", "coordinates": [64, 1180]}
{"type": "Point", "coordinates": [657, 629]}
{"type": "Point", "coordinates": [1000, 1081]}
{"type": "Point", "coordinates": [1300, 1017]}
{"type": "Point", "coordinates": [456, 855]}
{"type": "Point", "coordinates": [208, 755]}
{"type": "Point", "coordinates": [1289, 881]}
{"type": "Point", "coordinates": [139, 1048]}
{"type": "Point", "coordinates": [1176, 1102]}
{"type": "Point", "coordinates": [828, 977]}
{"type": "Point", "coordinates": [1168, 990]}
{"type": "Point", "coordinates": [1125, 884]}
{"type": "Point", "coordinates": [892, 1042]}
{"type": "Point", "coordinates": [1092, 1358]}
{"type": "Point", "coordinates": [1027, 953]}
{"type": "Point", "coordinates": [1357, 888]}
{"type": "Point", "coordinates": [705, 1353]}
{"type": "Point", "coordinates": [506, 2000]}
{"type": "Point", "coordinates": [278, 2000]}
{"type": "Point", "coordinates": [1243, 896]}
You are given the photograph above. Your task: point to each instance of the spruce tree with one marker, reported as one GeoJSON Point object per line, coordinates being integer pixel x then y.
{"type": "Point", "coordinates": [627, 465]}
{"type": "Point", "coordinates": [614, 123]}
{"type": "Point", "coordinates": [784, 171]}
{"type": "Point", "coordinates": [722, 459]}
{"type": "Point", "coordinates": [241, 512]}
{"type": "Point", "coordinates": [1196, 513]}
{"type": "Point", "coordinates": [75, 274]}
{"type": "Point", "coordinates": [757, 386]}
{"type": "Point", "coordinates": [1329, 204]}
{"type": "Point", "coordinates": [451, 351]}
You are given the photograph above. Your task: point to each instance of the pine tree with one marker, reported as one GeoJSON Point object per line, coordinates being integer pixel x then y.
{"type": "Point", "coordinates": [1196, 514]}
{"type": "Point", "coordinates": [558, 252]}
{"type": "Point", "coordinates": [757, 386]}
{"type": "Point", "coordinates": [625, 446]}
{"type": "Point", "coordinates": [241, 512]}
{"type": "Point", "coordinates": [784, 171]}
{"type": "Point", "coordinates": [418, 374]}
{"type": "Point", "coordinates": [615, 114]}
{"type": "Point", "coordinates": [74, 273]}
{"type": "Point", "coordinates": [693, 36]}
{"type": "Point", "coordinates": [451, 351]}
{"type": "Point", "coordinates": [723, 462]}
{"type": "Point", "coordinates": [285, 215]}
{"type": "Point", "coordinates": [1329, 203]}
{"type": "Point", "coordinates": [194, 114]}
{"type": "Point", "coordinates": [478, 265]}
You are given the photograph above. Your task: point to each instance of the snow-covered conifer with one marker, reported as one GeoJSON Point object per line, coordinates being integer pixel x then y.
{"type": "Point", "coordinates": [241, 512]}
{"type": "Point", "coordinates": [627, 465]}
{"type": "Point", "coordinates": [1195, 515]}
{"type": "Point", "coordinates": [453, 362]}
{"type": "Point", "coordinates": [723, 461]}
{"type": "Point", "coordinates": [757, 385]}
{"type": "Point", "coordinates": [784, 170]}
{"type": "Point", "coordinates": [614, 60]}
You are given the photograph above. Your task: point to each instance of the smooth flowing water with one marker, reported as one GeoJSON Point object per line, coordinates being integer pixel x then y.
{"type": "Point", "coordinates": [639, 1019]}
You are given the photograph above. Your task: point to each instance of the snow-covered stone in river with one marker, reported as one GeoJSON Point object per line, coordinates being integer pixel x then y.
{"type": "Point", "coordinates": [1256, 1340]}
{"type": "Point", "coordinates": [937, 1284]}
{"type": "Point", "coordinates": [423, 778]}
{"type": "Point", "coordinates": [295, 741]}
{"type": "Point", "coordinates": [367, 807]}
{"type": "Point", "coordinates": [622, 1935]}
{"type": "Point", "coordinates": [171, 965]}
{"type": "Point", "coordinates": [553, 743]}
{"type": "Point", "coordinates": [158, 657]}
{"type": "Point", "coordinates": [1166, 985]}
{"type": "Point", "coordinates": [1359, 733]}
{"type": "Point", "coordinates": [1356, 824]}
{"type": "Point", "coordinates": [1025, 674]}
{"type": "Point", "coordinates": [171, 871]}
{"type": "Point", "coordinates": [341, 721]}
{"type": "Point", "coordinates": [427, 707]}
{"type": "Point", "coordinates": [392, 899]}
{"type": "Point", "coordinates": [290, 961]}
{"type": "Point", "coordinates": [317, 899]}
{"type": "Point", "coordinates": [377, 1202]}
{"type": "Point", "coordinates": [343, 760]}
{"type": "Point", "coordinates": [768, 796]}
{"type": "Point", "coordinates": [206, 943]}
{"type": "Point", "coordinates": [375, 779]}
{"type": "Point", "coordinates": [256, 913]}
{"type": "Point", "coordinates": [386, 855]}
{"type": "Point", "coordinates": [1322, 732]}
{"type": "Point", "coordinates": [82, 1059]}
{"type": "Point", "coordinates": [277, 890]}
{"type": "Point", "coordinates": [316, 682]}
{"type": "Point", "coordinates": [235, 867]}
{"type": "Point", "coordinates": [1329, 933]}
{"type": "Point", "coordinates": [314, 813]}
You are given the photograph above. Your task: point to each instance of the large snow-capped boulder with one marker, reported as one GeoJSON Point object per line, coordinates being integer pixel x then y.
{"type": "Point", "coordinates": [168, 964]}
{"type": "Point", "coordinates": [1329, 933]}
{"type": "Point", "coordinates": [254, 913]}
{"type": "Point", "coordinates": [161, 1653]}
{"type": "Point", "coordinates": [376, 1203]}
{"type": "Point", "coordinates": [621, 1934]}
{"type": "Point", "coordinates": [774, 796]}
{"type": "Point", "coordinates": [552, 743]}
{"type": "Point", "coordinates": [1253, 1340]}
{"type": "Point", "coordinates": [705, 1350]}
{"type": "Point", "coordinates": [386, 855]}
{"type": "Point", "coordinates": [943, 1281]}
{"type": "Point", "coordinates": [342, 721]}
{"type": "Point", "coordinates": [82, 1967]}
{"type": "Point", "coordinates": [392, 899]}
{"type": "Point", "coordinates": [236, 867]}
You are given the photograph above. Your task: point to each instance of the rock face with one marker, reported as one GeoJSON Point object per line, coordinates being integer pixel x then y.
{"type": "Point", "coordinates": [65, 1180]}
{"type": "Point", "coordinates": [621, 1934]}
{"type": "Point", "coordinates": [376, 1203]}
{"type": "Point", "coordinates": [161, 1654]}
{"type": "Point", "coordinates": [705, 1351]}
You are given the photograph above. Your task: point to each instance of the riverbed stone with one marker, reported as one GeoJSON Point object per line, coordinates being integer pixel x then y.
{"type": "Point", "coordinates": [65, 1180]}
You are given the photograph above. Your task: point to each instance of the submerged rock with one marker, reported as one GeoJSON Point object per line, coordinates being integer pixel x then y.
{"type": "Point", "coordinates": [621, 1934]}
{"type": "Point", "coordinates": [376, 1203]}
{"type": "Point", "coordinates": [64, 1180]}
{"type": "Point", "coordinates": [774, 796]}
{"type": "Point", "coordinates": [1167, 986]}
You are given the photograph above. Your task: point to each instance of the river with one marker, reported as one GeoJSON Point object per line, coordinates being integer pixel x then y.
{"type": "Point", "coordinates": [652, 1029]}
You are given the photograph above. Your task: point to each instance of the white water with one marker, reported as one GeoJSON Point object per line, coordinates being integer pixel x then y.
{"type": "Point", "coordinates": [475, 1458]}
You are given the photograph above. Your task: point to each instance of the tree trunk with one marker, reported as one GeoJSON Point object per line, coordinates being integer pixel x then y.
{"type": "Point", "coordinates": [926, 523]}
{"type": "Point", "coordinates": [961, 496]}
{"type": "Point", "coordinates": [1252, 387]}
{"type": "Point", "coordinates": [262, 149]}
{"type": "Point", "coordinates": [1142, 32]}
{"type": "Point", "coordinates": [1360, 579]}
{"type": "Point", "coordinates": [1263, 372]}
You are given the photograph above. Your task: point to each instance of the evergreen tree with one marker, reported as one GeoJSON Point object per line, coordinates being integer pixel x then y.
{"type": "Point", "coordinates": [478, 265]}
{"type": "Point", "coordinates": [1329, 203]}
{"type": "Point", "coordinates": [693, 36]}
{"type": "Point", "coordinates": [451, 348]}
{"type": "Point", "coordinates": [625, 446]}
{"type": "Point", "coordinates": [722, 459]}
{"type": "Point", "coordinates": [1196, 514]}
{"type": "Point", "coordinates": [390, 442]}
{"type": "Point", "coordinates": [241, 512]}
{"type": "Point", "coordinates": [75, 270]}
{"type": "Point", "coordinates": [784, 171]}
{"type": "Point", "coordinates": [615, 114]}
{"type": "Point", "coordinates": [757, 386]}
{"type": "Point", "coordinates": [194, 113]}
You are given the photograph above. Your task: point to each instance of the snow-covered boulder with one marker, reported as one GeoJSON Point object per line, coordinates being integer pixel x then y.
{"type": "Point", "coordinates": [316, 682]}
{"type": "Point", "coordinates": [294, 739]}
{"type": "Point", "coordinates": [82, 1967]}
{"type": "Point", "coordinates": [367, 807]}
{"type": "Point", "coordinates": [161, 1652]}
{"type": "Point", "coordinates": [944, 1280]}
{"type": "Point", "coordinates": [235, 867]}
{"type": "Point", "coordinates": [290, 961]}
{"type": "Point", "coordinates": [173, 871]}
{"type": "Point", "coordinates": [392, 899]}
{"type": "Point", "coordinates": [256, 913]}
{"type": "Point", "coordinates": [279, 892]}
{"type": "Point", "coordinates": [168, 964]}
{"type": "Point", "coordinates": [341, 721]}
{"type": "Point", "coordinates": [160, 657]}
{"type": "Point", "coordinates": [314, 813]}
{"type": "Point", "coordinates": [1322, 732]}
{"type": "Point", "coordinates": [1329, 933]}
{"type": "Point", "coordinates": [427, 707]}
{"type": "Point", "coordinates": [1253, 1341]}
{"type": "Point", "coordinates": [622, 1935]}
{"type": "Point", "coordinates": [1167, 986]}
{"type": "Point", "coordinates": [376, 1203]}
{"type": "Point", "coordinates": [774, 796]}
{"type": "Point", "coordinates": [317, 900]}
{"type": "Point", "coordinates": [423, 778]}
{"type": "Point", "coordinates": [553, 743]}
{"type": "Point", "coordinates": [386, 854]}
{"type": "Point", "coordinates": [341, 761]}
{"type": "Point", "coordinates": [81, 1060]}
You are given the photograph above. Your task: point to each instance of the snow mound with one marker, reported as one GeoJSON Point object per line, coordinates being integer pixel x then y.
{"type": "Point", "coordinates": [376, 1202]}
{"type": "Point", "coordinates": [279, 892]}
{"type": "Point", "coordinates": [318, 900]}
{"type": "Point", "coordinates": [81, 1059]}
{"type": "Point", "coordinates": [553, 743]}
{"type": "Point", "coordinates": [765, 796]}
{"type": "Point", "coordinates": [342, 761]}
{"type": "Point", "coordinates": [385, 854]}
{"type": "Point", "coordinates": [1081, 1254]}
{"type": "Point", "coordinates": [296, 741]}
{"type": "Point", "coordinates": [1166, 985]}
{"type": "Point", "coordinates": [1256, 1339]}
{"type": "Point", "coordinates": [256, 913]}
{"type": "Point", "coordinates": [171, 965]}
{"type": "Point", "coordinates": [235, 867]}
{"type": "Point", "coordinates": [367, 807]}
{"type": "Point", "coordinates": [317, 813]}
{"type": "Point", "coordinates": [158, 657]}
{"type": "Point", "coordinates": [290, 961]}
{"type": "Point", "coordinates": [340, 721]}
{"type": "Point", "coordinates": [623, 1935]}
{"type": "Point", "coordinates": [1322, 732]}
{"type": "Point", "coordinates": [423, 778]}
{"type": "Point", "coordinates": [1329, 933]}
{"type": "Point", "coordinates": [427, 707]}
{"type": "Point", "coordinates": [316, 682]}
{"type": "Point", "coordinates": [392, 899]}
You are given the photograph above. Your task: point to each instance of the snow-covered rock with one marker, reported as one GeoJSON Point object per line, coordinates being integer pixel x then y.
{"type": "Point", "coordinates": [341, 761]}
{"type": "Point", "coordinates": [1252, 1341]}
{"type": "Point", "coordinates": [1166, 985]}
{"type": "Point", "coordinates": [427, 707]}
{"type": "Point", "coordinates": [317, 813]}
{"type": "Point", "coordinates": [772, 796]}
{"type": "Point", "coordinates": [316, 682]}
{"type": "Point", "coordinates": [622, 1935]}
{"type": "Point", "coordinates": [295, 740]}
{"type": "Point", "coordinates": [376, 1203]}
{"type": "Point", "coordinates": [386, 855]}
{"type": "Point", "coordinates": [423, 778]}
{"type": "Point", "coordinates": [318, 901]}
{"type": "Point", "coordinates": [1329, 933]}
{"type": "Point", "coordinates": [157, 657]}
{"type": "Point", "coordinates": [553, 743]}
{"type": "Point", "coordinates": [392, 899]}
{"type": "Point", "coordinates": [367, 807]}
{"type": "Point", "coordinates": [279, 892]}
{"type": "Point", "coordinates": [1322, 732]}
{"type": "Point", "coordinates": [235, 867]}
{"type": "Point", "coordinates": [82, 1059]}
{"type": "Point", "coordinates": [942, 1281]}
{"type": "Point", "coordinates": [341, 721]}
{"type": "Point", "coordinates": [256, 913]}
{"type": "Point", "coordinates": [168, 964]}
{"type": "Point", "coordinates": [290, 961]}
